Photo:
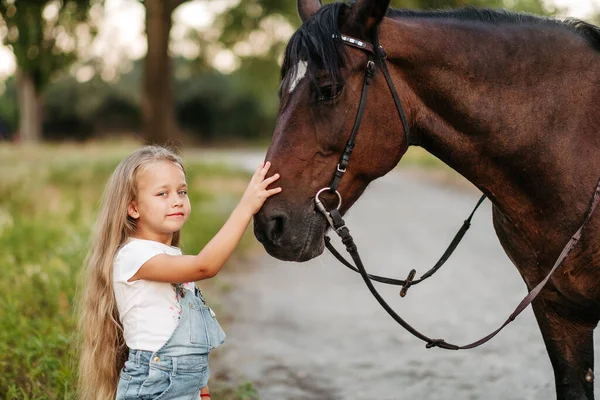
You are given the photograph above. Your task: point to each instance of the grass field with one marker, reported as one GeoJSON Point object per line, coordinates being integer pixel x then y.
{"type": "Point", "coordinates": [48, 201]}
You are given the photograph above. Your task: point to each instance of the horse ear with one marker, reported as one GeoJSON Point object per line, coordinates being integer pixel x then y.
{"type": "Point", "coordinates": [308, 8]}
{"type": "Point", "coordinates": [366, 15]}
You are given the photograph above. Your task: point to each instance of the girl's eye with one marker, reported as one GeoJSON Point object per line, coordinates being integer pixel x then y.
{"type": "Point", "coordinates": [162, 194]}
{"type": "Point", "coordinates": [183, 192]}
{"type": "Point", "coordinates": [329, 92]}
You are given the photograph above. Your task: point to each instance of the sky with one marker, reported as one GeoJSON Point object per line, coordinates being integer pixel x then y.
{"type": "Point", "coordinates": [121, 35]}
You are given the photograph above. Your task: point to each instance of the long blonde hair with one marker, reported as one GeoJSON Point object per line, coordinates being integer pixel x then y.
{"type": "Point", "coordinates": [103, 348]}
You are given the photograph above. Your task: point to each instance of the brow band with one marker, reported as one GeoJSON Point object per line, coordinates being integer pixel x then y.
{"type": "Point", "coordinates": [359, 44]}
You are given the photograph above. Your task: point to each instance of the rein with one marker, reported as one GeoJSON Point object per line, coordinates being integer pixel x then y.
{"type": "Point", "coordinates": [334, 218]}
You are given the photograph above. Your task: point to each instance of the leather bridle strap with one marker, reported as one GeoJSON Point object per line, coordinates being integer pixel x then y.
{"type": "Point", "coordinates": [378, 53]}
{"type": "Point", "coordinates": [382, 56]}
{"type": "Point", "coordinates": [348, 241]}
{"type": "Point", "coordinates": [410, 282]}
{"type": "Point", "coordinates": [345, 158]}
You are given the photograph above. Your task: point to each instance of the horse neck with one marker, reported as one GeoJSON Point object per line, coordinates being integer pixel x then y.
{"type": "Point", "coordinates": [498, 105]}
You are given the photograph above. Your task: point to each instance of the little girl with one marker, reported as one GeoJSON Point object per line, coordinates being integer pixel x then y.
{"type": "Point", "coordinates": [146, 329]}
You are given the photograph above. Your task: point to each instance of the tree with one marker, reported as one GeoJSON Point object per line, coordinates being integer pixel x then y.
{"type": "Point", "coordinates": [157, 100]}
{"type": "Point", "coordinates": [44, 36]}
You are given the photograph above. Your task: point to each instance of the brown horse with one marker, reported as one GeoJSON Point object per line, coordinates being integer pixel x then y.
{"type": "Point", "coordinates": [508, 100]}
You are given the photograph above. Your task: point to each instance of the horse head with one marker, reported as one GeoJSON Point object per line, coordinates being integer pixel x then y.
{"type": "Point", "coordinates": [320, 92]}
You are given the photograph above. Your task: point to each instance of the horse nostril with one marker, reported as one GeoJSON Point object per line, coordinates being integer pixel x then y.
{"type": "Point", "coordinates": [275, 226]}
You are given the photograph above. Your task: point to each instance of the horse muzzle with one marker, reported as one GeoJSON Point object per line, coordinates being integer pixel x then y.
{"type": "Point", "coordinates": [290, 236]}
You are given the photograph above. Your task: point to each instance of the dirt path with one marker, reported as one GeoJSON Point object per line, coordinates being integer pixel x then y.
{"type": "Point", "coordinates": [313, 331]}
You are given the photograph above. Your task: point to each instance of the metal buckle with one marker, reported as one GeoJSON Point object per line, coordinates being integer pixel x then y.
{"type": "Point", "coordinates": [370, 68]}
{"type": "Point", "coordinates": [340, 169]}
{"type": "Point", "coordinates": [408, 283]}
{"type": "Point", "coordinates": [321, 207]}
{"type": "Point", "coordinates": [340, 228]}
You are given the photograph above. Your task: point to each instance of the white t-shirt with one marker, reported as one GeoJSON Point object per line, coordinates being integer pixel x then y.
{"type": "Point", "coordinates": [148, 310]}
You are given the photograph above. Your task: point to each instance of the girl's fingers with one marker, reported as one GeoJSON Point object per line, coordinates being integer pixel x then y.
{"type": "Point", "coordinates": [270, 180]}
{"type": "Point", "coordinates": [263, 171]}
{"type": "Point", "coordinates": [271, 192]}
{"type": "Point", "coordinates": [256, 173]}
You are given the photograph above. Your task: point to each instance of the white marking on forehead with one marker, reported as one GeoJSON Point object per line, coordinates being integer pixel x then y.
{"type": "Point", "coordinates": [299, 73]}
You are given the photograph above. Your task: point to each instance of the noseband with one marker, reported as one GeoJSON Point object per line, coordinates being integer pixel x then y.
{"type": "Point", "coordinates": [376, 57]}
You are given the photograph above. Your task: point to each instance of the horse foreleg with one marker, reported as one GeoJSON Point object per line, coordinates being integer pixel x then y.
{"type": "Point", "coordinates": [570, 345]}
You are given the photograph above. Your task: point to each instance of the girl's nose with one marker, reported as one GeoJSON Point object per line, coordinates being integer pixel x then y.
{"type": "Point", "coordinates": [178, 202]}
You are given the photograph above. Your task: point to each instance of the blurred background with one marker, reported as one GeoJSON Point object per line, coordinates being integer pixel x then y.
{"type": "Point", "coordinates": [84, 82]}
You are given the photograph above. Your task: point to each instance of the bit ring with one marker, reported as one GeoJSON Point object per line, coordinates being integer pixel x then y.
{"type": "Point", "coordinates": [328, 189]}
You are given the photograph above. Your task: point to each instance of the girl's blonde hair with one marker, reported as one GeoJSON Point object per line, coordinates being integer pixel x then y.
{"type": "Point", "coordinates": [103, 348]}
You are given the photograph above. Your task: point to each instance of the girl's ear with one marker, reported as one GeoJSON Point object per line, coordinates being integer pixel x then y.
{"type": "Point", "coordinates": [132, 210]}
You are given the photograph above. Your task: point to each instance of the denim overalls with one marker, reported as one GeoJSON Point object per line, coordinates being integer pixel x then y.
{"type": "Point", "coordinates": [179, 369]}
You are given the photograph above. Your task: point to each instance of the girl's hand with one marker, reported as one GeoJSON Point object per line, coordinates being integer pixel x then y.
{"type": "Point", "coordinates": [256, 193]}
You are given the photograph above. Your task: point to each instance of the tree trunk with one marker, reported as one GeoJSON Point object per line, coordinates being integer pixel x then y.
{"type": "Point", "coordinates": [159, 122]}
{"type": "Point", "coordinates": [30, 120]}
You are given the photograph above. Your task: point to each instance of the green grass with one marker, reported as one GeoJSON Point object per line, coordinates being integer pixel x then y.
{"type": "Point", "coordinates": [48, 202]}
{"type": "Point", "coordinates": [244, 391]}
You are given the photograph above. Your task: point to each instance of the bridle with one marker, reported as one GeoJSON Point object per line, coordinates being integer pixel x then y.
{"type": "Point", "coordinates": [377, 57]}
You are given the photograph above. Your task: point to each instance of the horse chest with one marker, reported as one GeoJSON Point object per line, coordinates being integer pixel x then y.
{"type": "Point", "coordinates": [519, 248]}
{"type": "Point", "coordinates": [576, 281]}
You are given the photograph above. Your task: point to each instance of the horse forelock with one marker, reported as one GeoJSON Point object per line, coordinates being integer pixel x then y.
{"type": "Point", "coordinates": [312, 47]}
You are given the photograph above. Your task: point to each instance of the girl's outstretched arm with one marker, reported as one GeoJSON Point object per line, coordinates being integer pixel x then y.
{"type": "Point", "coordinates": [207, 263]}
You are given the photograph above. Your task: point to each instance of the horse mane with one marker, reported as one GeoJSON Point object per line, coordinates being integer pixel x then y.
{"type": "Point", "coordinates": [313, 43]}
{"type": "Point", "coordinates": [589, 32]}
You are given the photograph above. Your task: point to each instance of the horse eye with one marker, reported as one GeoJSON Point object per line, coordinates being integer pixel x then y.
{"type": "Point", "coordinates": [329, 92]}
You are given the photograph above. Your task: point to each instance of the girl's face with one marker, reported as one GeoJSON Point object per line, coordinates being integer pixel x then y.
{"type": "Point", "coordinates": [162, 205]}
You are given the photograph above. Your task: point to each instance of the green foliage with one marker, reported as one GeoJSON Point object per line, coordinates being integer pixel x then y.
{"type": "Point", "coordinates": [211, 107]}
{"type": "Point", "coordinates": [44, 34]}
{"type": "Point", "coordinates": [239, 21]}
{"type": "Point", "coordinates": [48, 199]}
{"type": "Point", "coordinates": [78, 111]}
{"type": "Point", "coordinates": [259, 77]}
{"type": "Point", "coordinates": [82, 110]}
